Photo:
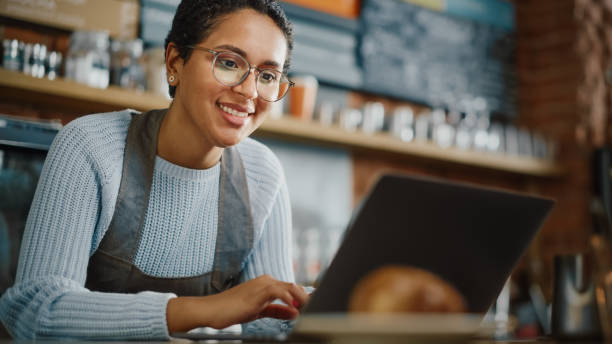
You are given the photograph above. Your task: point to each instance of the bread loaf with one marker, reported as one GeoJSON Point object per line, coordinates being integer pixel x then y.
{"type": "Point", "coordinates": [394, 289]}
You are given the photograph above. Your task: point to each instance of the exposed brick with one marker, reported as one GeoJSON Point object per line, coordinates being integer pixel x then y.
{"type": "Point", "coordinates": [560, 39]}
{"type": "Point", "coordinates": [540, 7]}
{"type": "Point", "coordinates": [547, 58]}
{"type": "Point", "coordinates": [553, 74]}
{"type": "Point", "coordinates": [534, 25]}
{"type": "Point", "coordinates": [550, 92]}
{"type": "Point", "coordinates": [550, 74]}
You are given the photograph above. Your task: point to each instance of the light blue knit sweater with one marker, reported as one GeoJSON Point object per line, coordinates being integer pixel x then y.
{"type": "Point", "coordinates": [71, 211]}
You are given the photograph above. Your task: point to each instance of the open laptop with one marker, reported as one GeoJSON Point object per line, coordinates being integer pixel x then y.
{"type": "Point", "coordinates": [469, 235]}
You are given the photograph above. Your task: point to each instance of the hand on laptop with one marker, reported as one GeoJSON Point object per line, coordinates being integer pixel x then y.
{"type": "Point", "coordinates": [246, 302]}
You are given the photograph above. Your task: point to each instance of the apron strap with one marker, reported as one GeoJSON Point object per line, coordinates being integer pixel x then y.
{"type": "Point", "coordinates": [235, 232]}
{"type": "Point", "coordinates": [123, 235]}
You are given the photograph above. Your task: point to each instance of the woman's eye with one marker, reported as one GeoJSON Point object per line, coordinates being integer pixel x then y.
{"type": "Point", "coordinates": [227, 63]}
{"type": "Point", "coordinates": [268, 77]}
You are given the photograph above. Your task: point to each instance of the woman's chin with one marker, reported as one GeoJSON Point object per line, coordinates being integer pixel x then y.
{"type": "Point", "coordinates": [233, 136]}
{"type": "Point", "coordinates": [230, 140]}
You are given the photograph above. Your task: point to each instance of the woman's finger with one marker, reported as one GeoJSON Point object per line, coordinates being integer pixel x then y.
{"type": "Point", "coordinates": [299, 295]}
{"type": "Point", "coordinates": [279, 312]}
{"type": "Point", "coordinates": [280, 291]}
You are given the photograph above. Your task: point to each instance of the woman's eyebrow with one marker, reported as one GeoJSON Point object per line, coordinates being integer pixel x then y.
{"type": "Point", "coordinates": [243, 53]}
{"type": "Point", "coordinates": [232, 48]}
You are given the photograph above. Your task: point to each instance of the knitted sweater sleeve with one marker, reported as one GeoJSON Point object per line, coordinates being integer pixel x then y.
{"type": "Point", "coordinates": [49, 299]}
{"type": "Point", "coordinates": [272, 255]}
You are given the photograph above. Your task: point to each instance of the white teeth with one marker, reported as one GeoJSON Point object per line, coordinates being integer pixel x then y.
{"type": "Point", "coordinates": [232, 111]}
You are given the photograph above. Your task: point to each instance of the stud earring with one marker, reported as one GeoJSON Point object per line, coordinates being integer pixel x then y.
{"type": "Point", "coordinates": [171, 78]}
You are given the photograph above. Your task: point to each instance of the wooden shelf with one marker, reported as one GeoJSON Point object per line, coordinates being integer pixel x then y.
{"type": "Point", "coordinates": [13, 83]}
{"type": "Point", "coordinates": [66, 90]}
{"type": "Point", "coordinates": [290, 128]}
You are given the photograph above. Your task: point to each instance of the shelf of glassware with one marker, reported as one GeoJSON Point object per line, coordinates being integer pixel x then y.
{"type": "Point", "coordinates": [285, 127]}
{"type": "Point", "coordinates": [312, 131]}
{"type": "Point", "coordinates": [19, 84]}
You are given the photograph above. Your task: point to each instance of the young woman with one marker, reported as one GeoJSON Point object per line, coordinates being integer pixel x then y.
{"type": "Point", "coordinates": [147, 224]}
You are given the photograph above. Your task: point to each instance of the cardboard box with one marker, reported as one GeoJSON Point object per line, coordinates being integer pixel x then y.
{"type": "Point", "coordinates": [118, 17]}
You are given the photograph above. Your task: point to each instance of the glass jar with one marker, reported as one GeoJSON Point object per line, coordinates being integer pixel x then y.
{"type": "Point", "coordinates": [101, 59]}
{"type": "Point", "coordinates": [88, 60]}
{"type": "Point", "coordinates": [127, 69]}
{"type": "Point", "coordinates": [37, 62]}
{"type": "Point", "coordinates": [11, 54]}
{"type": "Point", "coordinates": [53, 63]}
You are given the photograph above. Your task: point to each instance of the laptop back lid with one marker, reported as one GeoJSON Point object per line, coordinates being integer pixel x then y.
{"type": "Point", "coordinates": [470, 236]}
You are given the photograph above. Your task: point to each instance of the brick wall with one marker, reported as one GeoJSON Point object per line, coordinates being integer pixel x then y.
{"type": "Point", "coordinates": [556, 98]}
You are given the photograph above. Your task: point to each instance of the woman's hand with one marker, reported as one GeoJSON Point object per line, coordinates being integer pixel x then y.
{"type": "Point", "coordinates": [246, 302]}
{"type": "Point", "coordinates": [253, 299]}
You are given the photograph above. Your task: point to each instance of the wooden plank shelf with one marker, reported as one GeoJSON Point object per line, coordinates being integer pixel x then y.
{"type": "Point", "coordinates": [13, 83]}
{"type": "Point", "coordinates": [289, 128]}
{"type": "Point", "coordinates": [66, 90]}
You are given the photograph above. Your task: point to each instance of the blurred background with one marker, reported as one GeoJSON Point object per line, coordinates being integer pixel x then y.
{"type": "Point", "coordinates": [505, 93]}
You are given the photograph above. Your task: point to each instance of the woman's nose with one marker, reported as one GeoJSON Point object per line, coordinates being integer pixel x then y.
{"type": "Point", "coordinates": [248, 88]}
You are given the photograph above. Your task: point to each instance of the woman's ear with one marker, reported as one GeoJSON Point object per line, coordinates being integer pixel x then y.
{"type": "Point", "coordinates": [174, 64]}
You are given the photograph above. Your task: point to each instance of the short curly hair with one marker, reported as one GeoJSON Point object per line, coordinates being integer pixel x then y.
{"type": "Point", "coordinates": [196, 19]}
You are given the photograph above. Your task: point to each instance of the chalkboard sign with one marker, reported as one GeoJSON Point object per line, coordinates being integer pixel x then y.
{"type": "Point", "coordinates": [324, 46]}
{"type": "Point", "coordinates": [430, 57]}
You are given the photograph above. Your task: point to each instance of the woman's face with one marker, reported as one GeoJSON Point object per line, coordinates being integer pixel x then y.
{"type": "Point", "coordinates": [205, 102]}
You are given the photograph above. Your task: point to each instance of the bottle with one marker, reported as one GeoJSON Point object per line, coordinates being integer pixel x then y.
{"type": "Point", "coordinates": [423, 127]}
{"type": "Point", "coordinates": [126, 64]}
{"type": "Point", "coordinates": [37, 61]}
{"type": "Point", "coordinates": [373, 117]}
{"type": "Point", "coordinates": [402, 123]}
{"type": "Point", "coordinates": [495, 138]}
{"type": "Point", "coordinates": [136, 71]}
{"type": "Point", "coordinates": [53, 63]}
{"type": "Point", "coordinates": [481, 131]}
{"type": "Point", "coordinates": [11, 58]}
{"type": "Point", "coordinates": [27, 59]}
{"type": "Point", "coordinates": [481, 134]}
{"type": "Point", "coordinates": [88, 60]}
{"type": "Point", "coordinates": [443, 133]}
{"type": "Point", "coordinates": [101, 59]}
{"type": "Point", "coordinates": [326, 113]}
{"type": "Point", "coordinates": [350, 119]}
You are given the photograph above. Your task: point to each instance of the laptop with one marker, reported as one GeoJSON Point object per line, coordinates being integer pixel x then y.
{"type": "Point", "coordinates": [469, 235]}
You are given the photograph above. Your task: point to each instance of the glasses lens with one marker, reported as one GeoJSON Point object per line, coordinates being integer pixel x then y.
{"type": "Point", "coordinates": [272, 85]}
{"type": "Point", "coordinates": [230, 69]}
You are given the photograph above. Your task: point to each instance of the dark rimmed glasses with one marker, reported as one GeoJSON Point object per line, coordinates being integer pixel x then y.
{"type": "Point", "coordinates": [231, 69]}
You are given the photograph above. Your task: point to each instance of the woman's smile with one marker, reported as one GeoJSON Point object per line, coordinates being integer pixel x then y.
{"type": "Point", "coordinates": [235, 114]}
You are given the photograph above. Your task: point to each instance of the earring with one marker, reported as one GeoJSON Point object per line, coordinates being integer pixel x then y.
{"type": "Point", "coordinates": [171, 78]}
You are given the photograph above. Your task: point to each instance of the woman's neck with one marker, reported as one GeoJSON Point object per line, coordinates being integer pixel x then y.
{"type": "Point", "coordinates": [181, 145]}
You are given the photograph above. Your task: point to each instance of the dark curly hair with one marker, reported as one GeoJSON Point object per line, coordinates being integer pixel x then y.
{"type": "Point", "coordinates": [196, 19]}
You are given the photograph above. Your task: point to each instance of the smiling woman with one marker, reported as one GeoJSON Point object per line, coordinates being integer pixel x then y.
{"type": "Point", "coordinates": [147, 224]}
{"type": "Point", "coordinates": [222, 113]}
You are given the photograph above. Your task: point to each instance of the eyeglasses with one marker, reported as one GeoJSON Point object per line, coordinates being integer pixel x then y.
{"type": "Point", "coordinates": [231, 69]}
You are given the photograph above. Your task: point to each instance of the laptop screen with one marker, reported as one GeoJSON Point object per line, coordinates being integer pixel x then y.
{"type": "Point", "coordinates": [470, 236]}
